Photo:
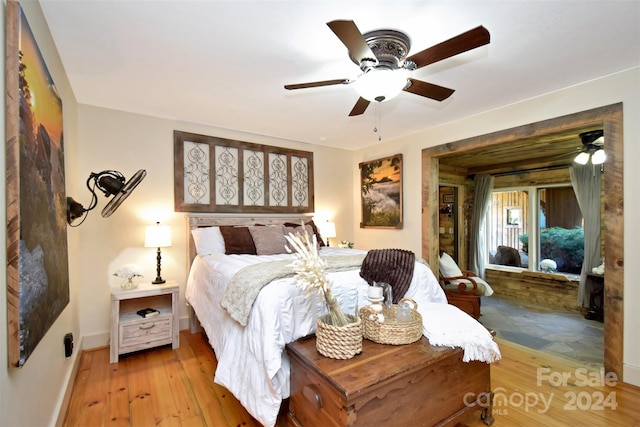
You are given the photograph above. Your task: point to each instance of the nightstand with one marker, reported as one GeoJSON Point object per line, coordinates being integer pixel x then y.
{"type": "Point", "coordinates": [131, 332]}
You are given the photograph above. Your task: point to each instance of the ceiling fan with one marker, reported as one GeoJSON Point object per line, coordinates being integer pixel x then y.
{"type": "Point", "coordinates": [382, 58]}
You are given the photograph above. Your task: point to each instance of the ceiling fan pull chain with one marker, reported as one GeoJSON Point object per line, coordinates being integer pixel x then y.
{"type": "Point", "coordinates": [377, 121]}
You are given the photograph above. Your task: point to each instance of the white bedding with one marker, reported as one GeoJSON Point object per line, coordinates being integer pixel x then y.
{"type": "Point", "coordinates": [252, 363]}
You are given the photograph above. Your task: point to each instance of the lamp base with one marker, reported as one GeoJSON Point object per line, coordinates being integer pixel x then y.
{"type": "Point", "coordinates": [159, 280]}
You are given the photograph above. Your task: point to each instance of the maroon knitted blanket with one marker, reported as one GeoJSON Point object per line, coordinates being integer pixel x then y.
{"type": "Point", "coordinates": [392, 266]}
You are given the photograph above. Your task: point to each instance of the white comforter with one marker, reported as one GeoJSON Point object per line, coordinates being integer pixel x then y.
{"type": "Point", "coordinates": [252, 363]}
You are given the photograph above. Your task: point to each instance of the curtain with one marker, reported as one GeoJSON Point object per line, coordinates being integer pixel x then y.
{"type": "Point", "coordinates": [585, 180]}
{"type": "Point", "coordinates": [483, 190]}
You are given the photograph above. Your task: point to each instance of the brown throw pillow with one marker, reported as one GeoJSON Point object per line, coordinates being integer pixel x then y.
{"type": "Point", "coordinates": [237, 240]}
{"type": "Point", "coordinates": [268, 240]}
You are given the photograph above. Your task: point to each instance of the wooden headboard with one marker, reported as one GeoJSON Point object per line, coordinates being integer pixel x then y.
{"type": "Point", "coordinates": [210, 220]}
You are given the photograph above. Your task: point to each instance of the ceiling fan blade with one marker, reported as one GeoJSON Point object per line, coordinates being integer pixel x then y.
{"type": "Point", "coordinates": [472, 39]}
{"type": "Point", "coordinates": [352, 38]}
{"type": "Point", "coordinates": [316, 84]}
{"type": "Point", "coordinates": [359, 108]}
{"type": "Point", "coordinates": [429, 90]}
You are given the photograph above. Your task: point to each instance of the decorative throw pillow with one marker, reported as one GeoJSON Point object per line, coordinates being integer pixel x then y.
{"type": "Point", "coordinates": [268, 240]}
{"type": "Point", "coordinates": [448, 267]}
{"type": "Point", "coordinates": [208, 240]}
{"type": "Point", "coordinates": [313, 228]}
{"type": "Point", "coordinates": [237, 240]}
{"type": "Point", "coordinates": [293, 230]}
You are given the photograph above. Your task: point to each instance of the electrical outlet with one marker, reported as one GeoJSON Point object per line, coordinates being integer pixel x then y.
{"type": "Point", "coordinates": [68, 345]}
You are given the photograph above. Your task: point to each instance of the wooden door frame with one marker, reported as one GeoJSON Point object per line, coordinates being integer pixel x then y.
{"type": "Point", "coordinates": [609, 118]}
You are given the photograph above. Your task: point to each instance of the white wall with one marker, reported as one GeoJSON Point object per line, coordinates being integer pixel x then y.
{"type": "Point", "coordinates": [98, 139]}
{"type": "Point", "coordinates": [33, 394]}
{"type": "Point", "coordinates": [622, 87]}
{"type": "Point", "coordinates": [110, 139]}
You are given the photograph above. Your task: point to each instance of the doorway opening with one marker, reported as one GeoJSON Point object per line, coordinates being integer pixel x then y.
{"type": "Point", "coordinates": [545, 137]}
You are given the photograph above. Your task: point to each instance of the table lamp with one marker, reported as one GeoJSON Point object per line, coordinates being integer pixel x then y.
{"type": "Point", "coordinates": [158, 236]}
{"type": "Point", "coordinates": [328, 230]}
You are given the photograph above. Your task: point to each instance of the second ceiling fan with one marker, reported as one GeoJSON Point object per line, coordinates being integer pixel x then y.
{"type": "Point", "coordinates": [382, 58]}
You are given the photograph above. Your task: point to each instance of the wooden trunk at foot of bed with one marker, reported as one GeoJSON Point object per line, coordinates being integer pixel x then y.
{"type": "Point", "coordinates": [415, 384]}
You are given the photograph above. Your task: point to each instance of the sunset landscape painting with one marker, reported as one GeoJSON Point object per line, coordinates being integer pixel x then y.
{"type": "Point", "coordinates": [381, 188]}
{"type": "Point", "coordinates": [37, 273]}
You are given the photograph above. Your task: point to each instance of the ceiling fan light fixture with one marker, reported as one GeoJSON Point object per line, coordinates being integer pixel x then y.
{"type": "Point", "coordinates": [381, 84]}
{"type": "Point", "coordinates": [593, 142]}
{"type": "Point", "coordinates": [598, 157]}
{"type": "Point", "coordinates": [594, 137]}
{"type": "Point", "coordinates": [582, 158]}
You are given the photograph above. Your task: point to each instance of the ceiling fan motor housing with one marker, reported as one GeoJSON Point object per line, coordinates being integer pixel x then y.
{"type": "Point", "coordinates": [390, 47]}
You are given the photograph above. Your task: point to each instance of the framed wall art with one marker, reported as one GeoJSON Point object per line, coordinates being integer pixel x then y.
{"type": "Point", "coordinates": [447, 198]}
{"type": "Point", "coordinates": [37, 259]}
{"type": "Point", "coordinates": [381, 191]}
{"type": "Point", "coordinates": [514, 217]}
{"type": "Point", "coordinates": [221, 175]}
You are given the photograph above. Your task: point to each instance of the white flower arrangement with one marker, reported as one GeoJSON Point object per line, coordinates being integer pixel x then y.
{"type": "Point", "coordinates": [129, 271]}
{"type": "Point", "coordinates": [548, 265]}
{"type": "Point", "coordinates": [310, 273]}
{"type": "Point", "coordinates": [598, 270]}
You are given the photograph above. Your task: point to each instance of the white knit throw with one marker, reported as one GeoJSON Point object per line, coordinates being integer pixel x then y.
{"type": "Point", "coordinates": [447, 325]}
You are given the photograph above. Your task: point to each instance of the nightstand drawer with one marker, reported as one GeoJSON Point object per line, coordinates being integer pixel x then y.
{"type": "Point", "coordinates": [130, 332]}
{"type": "Point", "coordinates": [145, 331]}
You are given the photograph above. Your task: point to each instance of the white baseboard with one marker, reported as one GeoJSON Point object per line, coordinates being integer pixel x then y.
{"type": "Point", "coordinates": [631, 374]}
{"type": "Point", "coordinates": [184, 323]}
{"type": "Point", "coordinates": [95, 341]}
{"type": "Point", "coordinates": [65, 398]}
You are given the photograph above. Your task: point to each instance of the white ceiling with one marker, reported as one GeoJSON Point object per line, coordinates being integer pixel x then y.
{"type": "Point", "coordinates": [224, 63]}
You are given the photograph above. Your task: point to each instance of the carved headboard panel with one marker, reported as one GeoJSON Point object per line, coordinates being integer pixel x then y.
{"type": "Point", "coordinates": [211, 220]}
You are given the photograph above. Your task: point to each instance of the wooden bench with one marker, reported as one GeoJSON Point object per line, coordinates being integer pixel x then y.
{"type": "Point", "coordinates": [415, 384]}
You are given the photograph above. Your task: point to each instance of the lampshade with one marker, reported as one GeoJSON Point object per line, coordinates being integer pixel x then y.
{"type": "Point", "coordinates": [328, 229]}
{"type": "Point", "coordinates": [381, 84]}
{"type": "Point", "coordinates": [158, 236]}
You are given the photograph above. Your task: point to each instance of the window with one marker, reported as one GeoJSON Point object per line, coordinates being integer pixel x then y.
{"type": "Point", "coordinates": [549, 237]}
{"type": "Point", "coordinates": [507, 221]}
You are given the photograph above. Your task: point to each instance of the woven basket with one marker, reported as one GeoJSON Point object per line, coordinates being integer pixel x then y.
{"type": "Point", "coordinates": [339, 342]}
{"type": "Point", "coordinates": [391, 332]}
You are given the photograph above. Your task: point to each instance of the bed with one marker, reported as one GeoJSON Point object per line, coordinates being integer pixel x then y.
{"type": "Point", "coordinates": [252, 363]}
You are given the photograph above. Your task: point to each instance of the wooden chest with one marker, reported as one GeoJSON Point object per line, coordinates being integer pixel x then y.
{"type": "Point", "coordinates": [408, 385]}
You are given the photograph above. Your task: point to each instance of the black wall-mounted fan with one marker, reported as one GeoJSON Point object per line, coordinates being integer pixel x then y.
{"type": "Point", "coordinates": [110, 183]}
{"type": "Point", "coordinates": [381, 55]}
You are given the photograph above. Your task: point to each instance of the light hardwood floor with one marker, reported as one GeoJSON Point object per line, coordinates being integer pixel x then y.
{"type": "Point", "coordinates": [164, 387]}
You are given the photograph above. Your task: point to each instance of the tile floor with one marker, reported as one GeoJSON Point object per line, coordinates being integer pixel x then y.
{"type": "Point", "coordinates": [564, 333]}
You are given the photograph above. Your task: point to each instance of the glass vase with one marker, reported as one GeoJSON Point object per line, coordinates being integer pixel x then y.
{"type": "Point", "coordinates": [129, 283]}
